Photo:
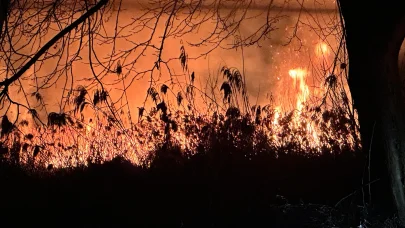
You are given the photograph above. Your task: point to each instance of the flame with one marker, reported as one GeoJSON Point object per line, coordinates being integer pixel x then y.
{"type": "Point", "coordinates": [322, 49]}
{"type": "Point", "coordinates": [277, 111]}
{"type": "Point", "coordinates": [299, 75]}
{"type": "Point", "coordinates": [100, 140]}
{"type": "Point", "coordinates": [82, 143]}
{"type": "Point", "coordinates": [303, 91]}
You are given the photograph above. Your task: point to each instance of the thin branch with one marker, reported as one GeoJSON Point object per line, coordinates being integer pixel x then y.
{"type": "Point", "coordinates": [52, 42]}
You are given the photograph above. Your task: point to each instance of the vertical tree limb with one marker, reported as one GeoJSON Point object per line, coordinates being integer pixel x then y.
{"type": "Point", "coordinates": [4, 4]}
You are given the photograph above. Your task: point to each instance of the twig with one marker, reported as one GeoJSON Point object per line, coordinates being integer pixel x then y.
{"type": "Point", "coordinates": [50, 43]}
{"type": "Point", "coordinates": [369, 164]}
{"type": "Point", "coordinates": [367, 184]}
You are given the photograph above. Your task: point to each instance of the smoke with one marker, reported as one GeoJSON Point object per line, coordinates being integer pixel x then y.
{"type": "Point", "coordinates": [265, 66]}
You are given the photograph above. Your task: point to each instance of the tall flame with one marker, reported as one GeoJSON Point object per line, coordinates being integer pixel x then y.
{"type": "Point", "coordinates": [299, 77]}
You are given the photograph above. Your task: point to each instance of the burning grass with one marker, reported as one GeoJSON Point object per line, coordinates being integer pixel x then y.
{"type": "Point", "coordinates": [177, 118]}
{"type": "Point", "coordinates": [175, 167]}
{"type": "Point", "coordinates": [70, 142]}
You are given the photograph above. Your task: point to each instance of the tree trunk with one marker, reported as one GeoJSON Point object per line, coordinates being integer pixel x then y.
{"type": "Point", "coordinates": [374, 34]}
{"type": "Point", "coordinates": [3, 15]}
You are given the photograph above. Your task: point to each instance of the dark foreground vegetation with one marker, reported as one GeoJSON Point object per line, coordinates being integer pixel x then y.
{"type": "Point", "coordinates": [243, 171]}
{"type": "Point", "coordinates": [216, 188]}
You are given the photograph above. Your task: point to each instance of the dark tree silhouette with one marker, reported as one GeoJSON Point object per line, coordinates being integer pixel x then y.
{"type": "Point", "coordinates": [3, 14]}
{"type": "Point", "coordinates": [374, 34]}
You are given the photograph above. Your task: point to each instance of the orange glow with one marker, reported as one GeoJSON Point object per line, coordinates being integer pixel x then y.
{"type": "Point", "coordinates": [322, 49]}
{"type": "Point", "coordinates": [70, 145]}
{"type": "Point", "coordinates": [299, 76]}
{"type": "Point", "coordinates": [277, 111]}
{"type": "Point", "coordinates": [303, 91]}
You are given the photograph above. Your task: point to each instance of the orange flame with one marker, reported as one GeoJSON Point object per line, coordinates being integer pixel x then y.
{"type": "Point", "coordinates": [72, 146]}
{"type": "Point", "coordinates": [302, 95]}
{"type": "Point", "coordinates": [322, 49]}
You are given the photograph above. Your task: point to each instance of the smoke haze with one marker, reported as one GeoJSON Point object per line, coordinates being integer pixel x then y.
{"type": "Point", "coordinates": [292, 44]}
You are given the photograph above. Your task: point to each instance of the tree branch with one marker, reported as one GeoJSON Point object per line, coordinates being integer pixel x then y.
{"type": "Point", "coordinates": [50, 43]}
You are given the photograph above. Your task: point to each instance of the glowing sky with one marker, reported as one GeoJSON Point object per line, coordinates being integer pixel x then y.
{"type": "Point", "coordinates": [301, 39]}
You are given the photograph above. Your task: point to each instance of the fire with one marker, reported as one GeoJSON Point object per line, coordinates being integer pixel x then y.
{"type": "Point", "coordinates": [79, 143]}
{"type": "Point", "coordinates": [82, 141]}
{"type": "Point", "coordinates": [102, 139]}
{"type": "Point", "coordinates": [303, 91]}
{"type": "Point", "coordinates": [277, 111]}
{"type": "Point", "coordinates": [302, 95]}
{"type": "Point", "coordinates": [322, 49]}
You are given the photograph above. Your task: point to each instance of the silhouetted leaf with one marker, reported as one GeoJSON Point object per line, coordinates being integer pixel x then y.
{"type": "Point", "coordinates": [162, 106]}
{"type": "Point", "coordinates": [179, 98]}
{"type": "Point", "coordinates": [83, 106]}
{"type": "Point", "coordinates": [58, 119]}
{"type": "Point", "coordinates": [29, 136]}
{"type": "Point", "coordinates": [6, 126]}
{"type": "Point", "coordinates": [192, 77]}
{"type": "Point", "coordinates": [190, 90]}
{"type": "Point", "coordinates": [227, 90]}
{"type": "Point", "coordinates": [33, 113]}
{"type": "Point", "coordinates": [99, 96]}
{"type": "Point", "coordinates": [118, 69]}
{"type": "Point", "coordinates": [70, 120]}
{"type": "Point", "coordinates": [37, 96]}
{"type": "Point", "coordinates": [37, 149]}
{"type": "Point", "coordinates": [183, 58]}
{"type": "Point", "coordinates": [80, 98]}
{"type": "Point", "coordinates": [140, 112]}
{"type": "Point", "coordinates": [24, 123]}
{"type": "Point", "coordinates": [164, 88]}
{"type": "Point", "coordinates": [154, 94]}
{"type": "Point", "coordinates": [96, 98]}
{"type": "Point", "coordinates": [234, 77]}
{"type": "Point", "coordinates": [25, 147]}
{"type": "Point", "coordinates": [111, 119]}
{"type": "Point", "coordinates": [258, 111]}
